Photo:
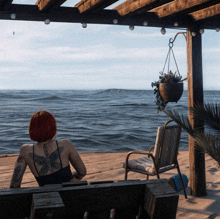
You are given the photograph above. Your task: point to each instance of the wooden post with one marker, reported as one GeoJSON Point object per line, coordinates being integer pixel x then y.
{"type": "Point", "coordinates": [195, 95]}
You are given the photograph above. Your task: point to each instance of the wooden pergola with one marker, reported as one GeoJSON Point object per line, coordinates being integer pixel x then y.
{"type": "Point", "coordinates": [192, 15]}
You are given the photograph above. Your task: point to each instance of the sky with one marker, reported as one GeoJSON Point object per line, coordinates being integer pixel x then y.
{"type": "Point", "coordinates": [34, 55]}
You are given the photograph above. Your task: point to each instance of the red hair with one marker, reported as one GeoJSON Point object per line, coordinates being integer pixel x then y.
{"type": "Point", "coordinates": [42, 126]}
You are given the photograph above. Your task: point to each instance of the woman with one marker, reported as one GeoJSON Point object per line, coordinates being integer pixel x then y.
{"type": "Point", "coordinates": [48, 159]}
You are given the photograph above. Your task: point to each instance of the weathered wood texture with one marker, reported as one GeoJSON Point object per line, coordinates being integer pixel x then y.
{"type": "Point", "coordinates": [195, 96]}
{"type": "Point", "coordinates": [72, 15]}
{"type": "Point", "coordinates": [206, 13]}
{"type": "Point", "coordinates": [93, 5]}
{"type": "Point", "coordinates": [126, 198]}
{"type": "Point", "coordinates": [45, 204]}
{"type": "Point", "coordinates": [100, 166]}
{"type": "Point", "coordinates": [130, 6]}
{"type": "Point", "coordinates": [183, 6]}
{"type": "Point", "coordinates": [158, 197]}
{"type": "Point", "coordinates": [158, 13]}
{"type": "Point", "coordinates": [45, 5]}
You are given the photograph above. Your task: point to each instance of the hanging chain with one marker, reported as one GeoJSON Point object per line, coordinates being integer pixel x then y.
{"type": "Point", "coordinates": [168, 56]}
{"type": "Point", "coordinates": [171, 41]}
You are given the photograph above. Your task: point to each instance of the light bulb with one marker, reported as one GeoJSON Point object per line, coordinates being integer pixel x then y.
{"type": "Point", "coordinates": [163, 30]}
{"type": "Point", "coordinates": [193, 34]}
{"type": "Point", "coordinates": [217, 29]}
{"type": "Point", "coordinates": [176, 24]}
{"type": "Point", "coordinates": [47, 21]}
{"type": "Point", "coordinates": [84, 25]}
{"type": "Point", "coordinates": [115, 21]}
{"type": "Point", "coordinates": [13, 16]}
{"type": "Point", "coordinates": [131, 27]}
{"type": "Point", "coordinates": [145, 23]}
{"type": "Point", "coordinates": [201, 31]}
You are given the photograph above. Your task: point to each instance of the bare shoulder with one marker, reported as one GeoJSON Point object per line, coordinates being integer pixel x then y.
{"type": "Point", "coordinates": [65, 142]}
{"type": "Point", "coordinates": [25, 148]}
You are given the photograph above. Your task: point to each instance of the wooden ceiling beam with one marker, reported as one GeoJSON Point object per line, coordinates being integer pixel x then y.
{"type": "Point", "coordinates": [5, 4]}
{"type": "Point", "coordinates": [72, 15]}
{"type": "Point", "coordinates": [206, 13]}
{"type": "Point", "coordinates": [93, 5]}
{"type": "Point", "coordinates": [183, 7]}
{"type": "Point", "coordinates": [210, 23]}
{"type": "Point", "coordinates": [45, 5]}
{"type": "Point", "coordinates": [133, 6]}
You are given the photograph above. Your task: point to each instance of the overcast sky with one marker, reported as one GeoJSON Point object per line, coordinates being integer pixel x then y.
{"type": "Point", "coordinates": [34, 55]}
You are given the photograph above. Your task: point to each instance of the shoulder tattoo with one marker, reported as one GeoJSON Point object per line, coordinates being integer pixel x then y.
{"type": "Point", "coordinates": [49, 162]}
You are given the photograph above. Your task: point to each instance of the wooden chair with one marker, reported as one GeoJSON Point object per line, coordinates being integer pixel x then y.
{"type": "Point", "coordinates": [163, 158]}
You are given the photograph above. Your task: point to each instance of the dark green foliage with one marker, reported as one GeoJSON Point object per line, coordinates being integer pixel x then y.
{"type": "Point", "coordinates": [170, 77]}
{"type": "Point", "coordinates": [210, 114]}
{"type": "Point", "coordinates": [165, 78]}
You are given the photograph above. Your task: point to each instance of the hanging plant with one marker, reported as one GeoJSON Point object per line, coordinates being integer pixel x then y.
{"type": "Point", "coordinates": [169, 87]}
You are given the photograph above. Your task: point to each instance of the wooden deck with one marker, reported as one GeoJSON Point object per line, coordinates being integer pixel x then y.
{"type": "Point", "coordinates": [108, 166]}
{"type": "Point", "coordinates": [100, 166]}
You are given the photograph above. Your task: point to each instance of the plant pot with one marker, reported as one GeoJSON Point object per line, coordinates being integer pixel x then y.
{"type": "Point", "coordinates": [171, 92]}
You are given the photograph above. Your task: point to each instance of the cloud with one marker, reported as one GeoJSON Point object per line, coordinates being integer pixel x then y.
{"type": "Point", "coordinates": [59, 55]}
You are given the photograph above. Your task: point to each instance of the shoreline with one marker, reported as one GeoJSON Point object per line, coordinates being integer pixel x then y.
{"type": "Point", "coordinates": [12, 155]}
{"type": "Point", "coordinates": [104, 166]}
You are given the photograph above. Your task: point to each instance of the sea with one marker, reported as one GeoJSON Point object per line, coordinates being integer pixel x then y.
{"type": "Point", "coordinates": [108, 120]}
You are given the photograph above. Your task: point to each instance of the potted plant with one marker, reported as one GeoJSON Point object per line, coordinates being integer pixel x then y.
{"type": "Point", "coordinates": [169, 88]}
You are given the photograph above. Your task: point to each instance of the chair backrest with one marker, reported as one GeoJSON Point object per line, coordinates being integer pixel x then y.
{"type": "Point", "coordinates": [167, 145]}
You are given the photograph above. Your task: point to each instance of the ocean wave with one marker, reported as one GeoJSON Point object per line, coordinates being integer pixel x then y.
{"type": "Point", "coordinates": [10, 96]}
{"type": "Point", "coordinates": [49, 98]}
{"type": "Point", "coordinates": [131, 105]}
{"type": "Point", "coordinates": [98, 120]}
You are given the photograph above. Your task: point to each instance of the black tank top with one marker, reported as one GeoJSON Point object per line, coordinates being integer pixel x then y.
{"type": "Point", "coordinates": [58, 177]}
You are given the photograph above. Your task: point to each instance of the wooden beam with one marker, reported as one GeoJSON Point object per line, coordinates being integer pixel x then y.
{"type": "Point", "coordinates": [195, 96]}
{"type": "Point", "coordinates": [131, 6]}
{"type": "Point", "coordinates": [72, 15]}
{"type": "Point", "coordinates": [207, 12]}
{"type": "Point", "coordinates": [45, 5]}
{"type": "Point", "coordinates": [5, 4]}
{"type": "Point", "coordinates": [182, 6]}
{"type": "Point", "coordinates": [209, 23]}
{"type": "Point", "coordinates": [93, 5]}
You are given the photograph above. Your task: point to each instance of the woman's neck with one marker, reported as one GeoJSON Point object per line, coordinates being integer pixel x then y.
{"type": "Point", "coordinates": [45, 142]}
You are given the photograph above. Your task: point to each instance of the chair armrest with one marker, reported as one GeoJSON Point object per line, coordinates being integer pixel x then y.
{"type": "Point", "coordinates": [139, 152]}
{"type": "Point", "coordinates": [149, 151]}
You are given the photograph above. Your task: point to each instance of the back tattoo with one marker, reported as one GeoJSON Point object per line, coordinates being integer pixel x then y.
{"type": "Point", "coordinates": [49, 162]}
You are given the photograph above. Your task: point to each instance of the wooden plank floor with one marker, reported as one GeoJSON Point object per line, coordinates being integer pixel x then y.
{"type": "Point", "coordinates": [108, 166]}
{"type": "Point", "coordinates": [100, 166]}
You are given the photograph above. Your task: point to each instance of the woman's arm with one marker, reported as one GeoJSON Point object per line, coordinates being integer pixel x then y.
{"type": "Point", "coordinates": [19, 170]}
{"type": "Point", "coordinates": [76, 161]}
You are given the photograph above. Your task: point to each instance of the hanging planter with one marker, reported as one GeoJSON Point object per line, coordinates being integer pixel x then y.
{"type": "Point", "coordinates": [169, 87]}
{"type": "Point", "coordinates": [171, 92]}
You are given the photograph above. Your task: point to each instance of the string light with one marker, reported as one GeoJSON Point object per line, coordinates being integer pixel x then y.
{"type": "Point", "coordinates": [47, 21]}
{"type": "Point", "coordinates": [115, 21]}
{"type": "Point", "coordinates": [13, 16]}
{"type": "Point", "coordinates": [84, 25]}
{"type": "Point", "coordinates": [145, 23]}
{"type": "Point", "coordinates": [193, 34]}
{"type": "Point", "coordinates": [131, 27]}
{"type": "Point", "coordinates": [163, 30]}
{"type": "Point", "coordinates": [176, 24]}
{"type": "Point", "coordinates": [201, 31]}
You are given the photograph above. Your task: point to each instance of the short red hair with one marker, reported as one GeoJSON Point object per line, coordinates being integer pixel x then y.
{"type": "Point", "coordinates": [42, 126]}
